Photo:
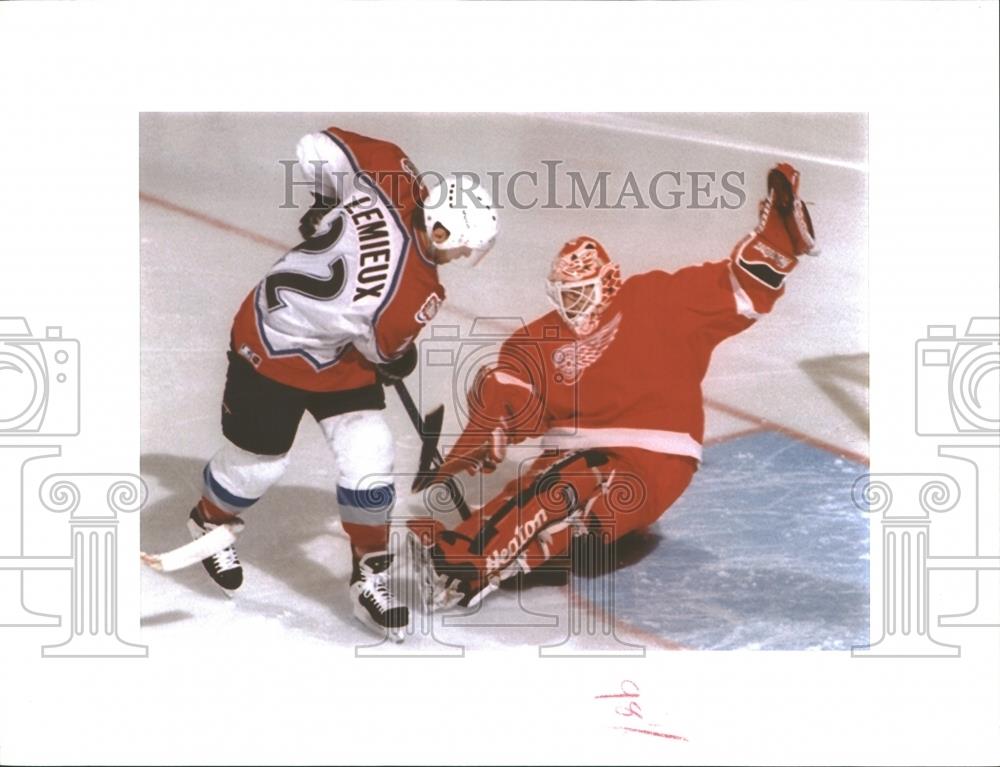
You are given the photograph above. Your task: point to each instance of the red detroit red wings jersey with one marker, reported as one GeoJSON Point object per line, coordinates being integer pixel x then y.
{"type": "Point", "coordinates": [335, 305]}
{"type": "Point", "coordinates": [635, 381]}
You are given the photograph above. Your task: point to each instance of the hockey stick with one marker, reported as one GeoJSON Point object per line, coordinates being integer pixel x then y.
{"type": "Point", "coordinates": [192, 553]}
{"type": "Point", "coordinates": [429, 430]}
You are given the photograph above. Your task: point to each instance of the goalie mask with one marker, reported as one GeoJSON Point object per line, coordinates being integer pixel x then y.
{"type": "Point", "coordinates": [582, 283]}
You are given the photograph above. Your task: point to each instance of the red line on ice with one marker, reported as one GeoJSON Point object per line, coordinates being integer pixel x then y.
{"type": "Point", "coordinates": [762, 424]}
{"type": "Point", "coordinates": [766, 424]}
{"type": "Point", "coordinates": [760, 421]}
{"type": "Point", "coordinates": [215, 222]}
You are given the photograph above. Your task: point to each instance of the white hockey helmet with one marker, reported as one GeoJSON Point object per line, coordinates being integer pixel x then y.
{"type": "Point", "coordinates": [460, 220]}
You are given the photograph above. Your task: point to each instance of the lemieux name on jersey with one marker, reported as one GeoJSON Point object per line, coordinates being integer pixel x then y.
{"type": "Point", "coordinates": [375, 251]}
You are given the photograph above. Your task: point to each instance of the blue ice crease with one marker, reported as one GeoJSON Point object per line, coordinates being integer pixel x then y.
{"type": "Point", "coordinates": [765, 550]}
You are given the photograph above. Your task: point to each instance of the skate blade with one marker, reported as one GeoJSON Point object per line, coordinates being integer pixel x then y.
{"type": "Point", "coordinates": [397, 635]}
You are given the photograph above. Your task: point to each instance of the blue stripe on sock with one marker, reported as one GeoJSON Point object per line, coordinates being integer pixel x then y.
{"type": "Point", "coordinates": [224, 495]}
{"type": "Point", "coordinates": [377, 497]}
{"type": "Point", "coordinates": [358, 505]}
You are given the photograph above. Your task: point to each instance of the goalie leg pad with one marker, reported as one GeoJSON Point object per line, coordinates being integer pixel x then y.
{"type": "Point", "coordinates": [531, 521]}
{"type": "Point", "coordinates": [642, 487]}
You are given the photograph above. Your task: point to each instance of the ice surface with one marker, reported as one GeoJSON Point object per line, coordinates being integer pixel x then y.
{"type": "Point", "coordinates": [763, 551]}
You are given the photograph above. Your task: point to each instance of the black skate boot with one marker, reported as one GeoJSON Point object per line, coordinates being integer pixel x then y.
{"type": "Point", "coordinates": [224, 567]}
{"type": "Point", "coordinates": [375, 605]}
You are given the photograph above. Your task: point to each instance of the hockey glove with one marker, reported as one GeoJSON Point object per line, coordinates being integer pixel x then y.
{"type": "Point", "coordinates": [310, 223]}
{"type": "Point", "coordinates": [484, 456]}
{"type": "Point", "coordinates": [482, 453]}
{"type": "Point", "coordinates": [783, 195]}
{"type": "Point", "coordinates": [399, 368]}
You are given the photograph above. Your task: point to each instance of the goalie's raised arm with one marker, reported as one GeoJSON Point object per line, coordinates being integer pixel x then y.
{"type": "Point", "coordinates": [762, 260]}
{"type": "Point", "coordinates": [723, 298]}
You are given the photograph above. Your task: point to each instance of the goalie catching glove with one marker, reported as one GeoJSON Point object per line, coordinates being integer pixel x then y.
{"type": "Point", "coordinates": [783, 195]}
{"type": "Point", "coordinates": [763, 259]}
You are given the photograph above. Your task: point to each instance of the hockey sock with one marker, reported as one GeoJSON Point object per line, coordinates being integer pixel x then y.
{"type": "Point", "coordinates": [212, 513]}
{"type": "Point", "coordinates": [235, 479]}
{"type": "Point", "coordinates": [365, 516]}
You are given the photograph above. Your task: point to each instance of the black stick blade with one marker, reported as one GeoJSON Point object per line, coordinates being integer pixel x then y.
{"type": "Point", "coordinates": [430, 434]}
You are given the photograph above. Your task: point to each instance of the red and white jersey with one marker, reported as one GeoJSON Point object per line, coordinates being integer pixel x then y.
{"type": "Point", "coordinates": [358, 295]}
{"type": "Point", "coordinates": [635, 381]}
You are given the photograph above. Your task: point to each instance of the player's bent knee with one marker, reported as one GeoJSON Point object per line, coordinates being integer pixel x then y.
{"type": "Point", "coordinates": [236, 478]}
{"type": "Point", "coordinates": [363, 446]}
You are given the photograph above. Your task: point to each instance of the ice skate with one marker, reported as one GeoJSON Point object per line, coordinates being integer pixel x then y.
{"type": "Point", "coordinates": [375, 604]}
{"type": "Point", "coordinates": [224, 567]}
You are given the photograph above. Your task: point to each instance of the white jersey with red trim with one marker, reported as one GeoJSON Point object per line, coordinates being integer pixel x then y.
{"type": "Point", "coordinates": [326, 293]}
{"type": "Point", "coordinates": [353, 296]}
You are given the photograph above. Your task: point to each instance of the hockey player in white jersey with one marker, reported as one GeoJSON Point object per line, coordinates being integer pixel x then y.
{"type": "Point", "coordinates": [334, 318]}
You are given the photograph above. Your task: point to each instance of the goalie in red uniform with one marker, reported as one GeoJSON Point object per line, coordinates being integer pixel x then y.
{"type": "Point", "coordinates": [611, 382]}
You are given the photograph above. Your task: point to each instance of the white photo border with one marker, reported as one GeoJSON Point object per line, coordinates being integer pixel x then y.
{"type": "Point", "coordinates": [74, 78]}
